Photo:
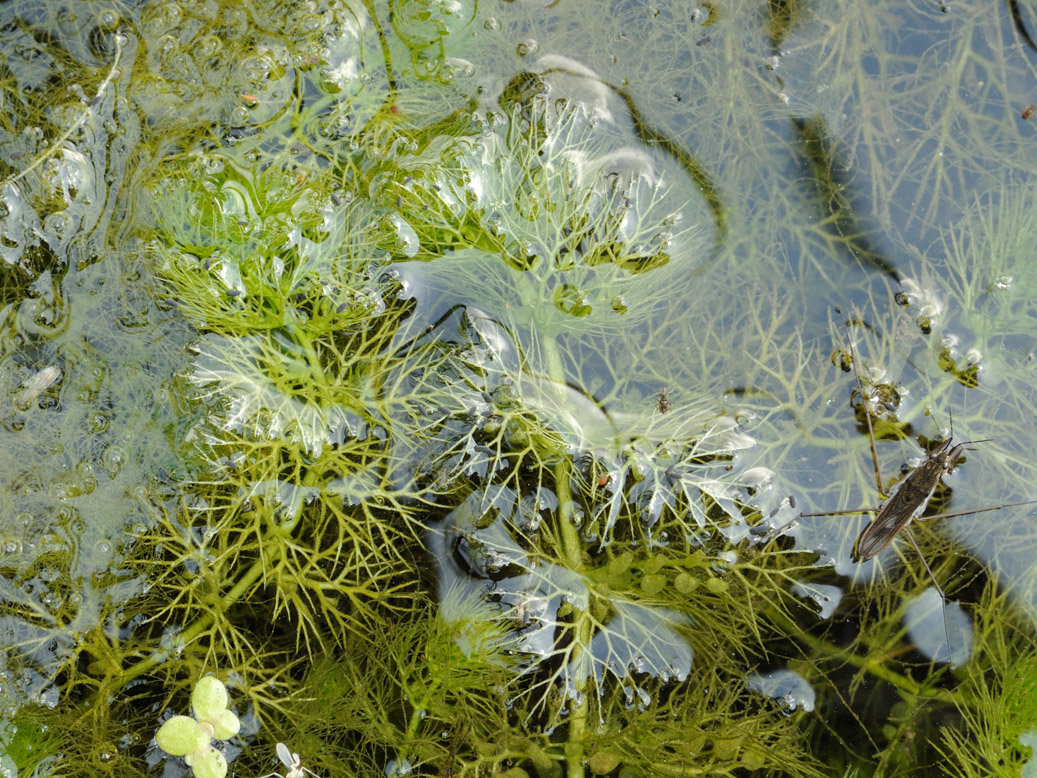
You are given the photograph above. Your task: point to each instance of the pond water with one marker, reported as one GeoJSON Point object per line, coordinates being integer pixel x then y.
{"type": "Point", "coordinates": [449, 379]}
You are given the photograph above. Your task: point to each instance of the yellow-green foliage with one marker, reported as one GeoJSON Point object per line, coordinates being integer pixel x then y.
{"type": "Point", "coordinates": [499, 381]}
{"type": "Point", "coordinates": [998, 698]}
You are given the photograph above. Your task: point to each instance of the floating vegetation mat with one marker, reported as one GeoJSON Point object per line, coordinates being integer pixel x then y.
{"type": "Point", "coordinates": [434, 388]}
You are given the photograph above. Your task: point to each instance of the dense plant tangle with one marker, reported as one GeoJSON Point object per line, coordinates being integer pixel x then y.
{"type": "Point", "coordinates": [480, 379]}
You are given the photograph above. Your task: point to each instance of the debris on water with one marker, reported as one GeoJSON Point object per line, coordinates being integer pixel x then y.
{"type": "Point", "coordinates": [36, 385]}
{"type": "Point", "coordinates": [664, 401]}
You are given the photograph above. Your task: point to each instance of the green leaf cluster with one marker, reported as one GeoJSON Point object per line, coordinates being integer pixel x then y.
{"type": "Point", "coordinates": [379, 380]}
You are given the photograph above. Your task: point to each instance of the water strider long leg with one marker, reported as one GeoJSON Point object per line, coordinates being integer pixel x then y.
{"type": "Point", "coordinates": [969, 512]}
{"type": "Point", "coordinates": [943, 597]}
{"type": "Point", "coordinates": [854, 512]}
{"type": "Point", "coordinates": [777, 531]}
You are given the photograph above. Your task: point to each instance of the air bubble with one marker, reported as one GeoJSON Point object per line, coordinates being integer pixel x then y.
{"type": "Point", "coordinates": [527, 48]}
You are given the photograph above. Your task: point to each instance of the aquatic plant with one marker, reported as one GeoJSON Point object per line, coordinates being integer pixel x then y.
{"type": "Point", "coordinates": [348, 428]}
{"type": "Point", "coordinates": [191, 736]}
{"type": "Point", "coordinates": [997, 706]}
{"type": "Point", "coordinates": [499, 378]}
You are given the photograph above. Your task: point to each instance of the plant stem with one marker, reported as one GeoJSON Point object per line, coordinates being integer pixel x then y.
{"type": "Point", "coordinates": [572, 554]}
{"type": "Point", "coordinates": [201, 624]}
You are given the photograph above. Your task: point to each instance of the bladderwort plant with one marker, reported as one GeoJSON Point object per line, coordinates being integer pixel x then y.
{"type": "Point", "coordinates": [348, 431]}
{"type": "Point", "coordinates": [427, 506]}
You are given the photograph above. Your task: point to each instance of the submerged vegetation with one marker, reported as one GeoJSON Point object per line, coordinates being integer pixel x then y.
{"type": "Point", "coordinates": [454, 417]}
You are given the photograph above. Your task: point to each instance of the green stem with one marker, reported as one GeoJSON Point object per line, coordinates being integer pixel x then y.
{"type": "Point", "coordinates": [572, 553]}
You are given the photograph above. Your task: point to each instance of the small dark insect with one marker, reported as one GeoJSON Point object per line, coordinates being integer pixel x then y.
{"type": "Point", "coordinates": [1029, 111]}
{"type": "Point", "coordinates": [664, 401]}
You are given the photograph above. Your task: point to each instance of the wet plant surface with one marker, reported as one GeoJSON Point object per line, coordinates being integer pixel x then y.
{"type": "Point", "coordinates": [448, 380]}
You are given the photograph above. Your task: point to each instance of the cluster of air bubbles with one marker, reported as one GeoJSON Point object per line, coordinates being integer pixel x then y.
{"type": "Point", "coordinates": [527, 47]}
{"type": "Point", "coordinates": [634, 697]}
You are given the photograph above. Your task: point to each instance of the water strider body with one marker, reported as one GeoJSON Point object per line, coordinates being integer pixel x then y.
{"type": "Point", "coordinates": [907, 501]}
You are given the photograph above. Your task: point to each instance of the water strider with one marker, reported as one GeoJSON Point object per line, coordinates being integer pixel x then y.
{"type": "Point", "coordinates": [907, 500]}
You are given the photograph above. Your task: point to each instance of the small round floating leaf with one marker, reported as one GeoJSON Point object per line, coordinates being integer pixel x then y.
{"type": "Point", "coordinates": [685, 583]}
{"type": "Point", "coordinates": [208, 763]}
{"type": "Point", "coordinates": [225, 725]}
{"type": "Point", "coordinates": [653, 583]}
{"type": "Point", "coordinates": [753, 760]}
{"type": "Point", "coordinates": [726, 749]}
{"type": "Point", "coordinates": [602, 762]}
{"type": "Point", "coordinates": [716, 585]}
{"type": "Point", "coordinates": [181, 735]}
{"type": "Point", "coordinates": [209, 698]}
{"type": "Point", "coordinates": [620, 564]}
